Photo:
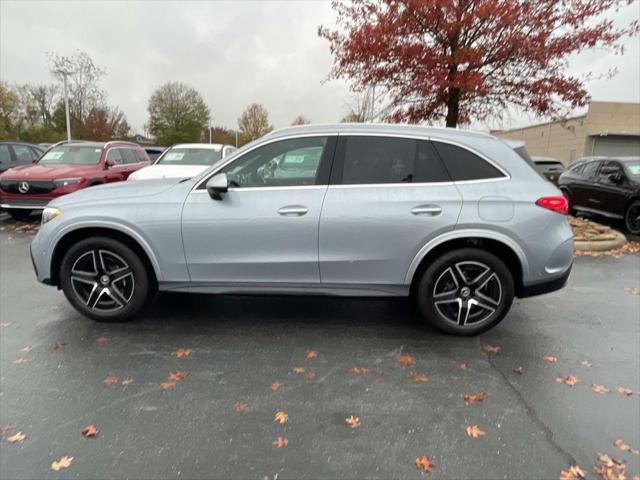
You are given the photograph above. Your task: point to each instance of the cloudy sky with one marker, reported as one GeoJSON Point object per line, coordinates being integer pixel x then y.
{"type": "Point", "coordinates": [234, 53]}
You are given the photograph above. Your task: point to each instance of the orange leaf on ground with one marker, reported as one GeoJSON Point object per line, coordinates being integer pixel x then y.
{"type": "Point", "coordinates": [311, 355]}
{"type": "Point", "coordinates": [57, 346]}
{"type": "Point", "coordinates": [276, 386]}
{"type": "Point", "coordinates": [570, 380]}
{"type": "Point", "coordinates": [550, 358]}
{"type": "Point", "coordinates": [239, 407]}
{"type": "Point", "coordinates": [177, 376]}
{"type": "Point", "coordinates": [64, 462]}
{"type": "Point", "coordinates": [90, 431]}
{"type": "Point", "coordinates": [423, 463]}
{"type": "Point", "coordinates": [311, 376]}
{"type": "Point", "coordinates": [18, 437]}
{"type": "Point", "coordinates": [618, 442]}
{"type": "Point", "coordinates": [572, 473]}
{"type": "Point", "coordinates": [358, 370]}
{"type": "Point", "coordinates": [586, 363]}
{"type": "Point", "coordinates": [418, 377]}
{"type": "Point", "coordinates": [599, 388]}
{"type": "Point", "coordinates": [462, 366]}
{"type": "Point", "coordinates": [472, 398]}
{"type": "Point", "coordinates": [353, 422]}
{"type": "Point", "coordinates": [491, 349]}
{"type": "Point", "coordinates": [633, 291]}
{"type": "Point", "coordinates": [127, 381]}
{"type": "Point", "coordinates": [624, 391]}
{"type": "Point", "coordinates": [298, 370]}
{"type": "Point", "coordinates": [26, 349]}
{"type": "Point", "coordinates": [610, 468]}
{"type": "Point", "coordinates": [168, 385]}
{"type": "Point", "coordinates": [110, 381]}
{"type": "Point", "coordinates": [182, 352]}
{"type": "Point", "coordinates": [406, 360]}
{"type": "Point", "coordinates": [281, 442]}
{"type": "Point", "coordinates": [20, 360]}
{"type": "Point", "coordinates": [101, 340]}
{"type": "Point", "coordinates": [281, 417]}
{"type": "Point", "coordinates": [474, 431]}
{"type": "Point", "coordinates": [518, 370]}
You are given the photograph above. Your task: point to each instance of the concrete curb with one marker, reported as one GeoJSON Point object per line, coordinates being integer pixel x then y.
{"type": "Point", "coordinates": [601, 246]}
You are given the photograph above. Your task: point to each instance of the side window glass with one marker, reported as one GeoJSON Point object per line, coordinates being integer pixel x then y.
{"type": "Point", "coordinates": [590, 169]}
{"type": "Point", "coordinates": [465, 165]}
{"type": "Point", "coordinates": [609, 170]}
{"type": "Point", "coordinates": [128, 155]}
{"type": "Point", "coordinates": [36, 153]}
{"type": "Point", "coordinates": [140, 156]}
{"type": "Point", "coordinates": [5, 155]}
{"type": "Point", "coordinates": [23, 153]}
{"type": "Point", "coordinates": [286, 163]}
{"type": "Point", "coordinates": [115, 155]}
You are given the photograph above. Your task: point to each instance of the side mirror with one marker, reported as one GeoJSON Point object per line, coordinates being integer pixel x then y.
{"type": "Point", "coordinates": [109, 163]}
{"type": "Point", "coordinates": [217, 185]}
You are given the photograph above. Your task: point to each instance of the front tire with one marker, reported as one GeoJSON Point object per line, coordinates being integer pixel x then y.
{"type": "Point", "coordinates": [19, 214]}
{"type": "Point", "coordinates": [632, 217]}
{"type": "Point", "coordinates": [465, 291]}
{"type": "Point", "coordinates": [104, 279]}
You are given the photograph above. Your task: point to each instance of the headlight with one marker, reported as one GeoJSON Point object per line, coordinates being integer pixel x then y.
{"type": "Point", "coordinates": [49, 213]}
{"type": "Point", "coordinates": [63, 182]}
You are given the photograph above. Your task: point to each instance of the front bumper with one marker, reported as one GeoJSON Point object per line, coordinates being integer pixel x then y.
{"type": "Point", "coordinates": [19, 204]}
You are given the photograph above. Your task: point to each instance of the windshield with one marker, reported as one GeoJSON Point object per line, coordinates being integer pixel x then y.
{"type": "Point", "coordinates": [634, 169]}
{"type": "Point", "coordinates": [72, 154]}
{"type": "Point", "coordinates": [190, 156]}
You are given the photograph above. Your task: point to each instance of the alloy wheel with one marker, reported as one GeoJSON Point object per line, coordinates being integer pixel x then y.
{"type": "Point", "coordinates": [467, 293]}
{"type": "Point", "coordinates": [633, 218]}
{"type": "Point", "coordinates": [102, 280]}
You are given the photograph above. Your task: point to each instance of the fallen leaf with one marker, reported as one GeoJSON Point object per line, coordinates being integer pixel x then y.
{"type": "Point", "coordinates": [610, 468]}
{"type": "Point", "coordinates": [472, 398]}
{"type": "Point", "coordinates": [110, 381]}
{"type": "Point", "coordinates": [26, 349]}
{"type": "Point", "coordinates": [572, 473]}
{"type": "Point", "coordinates": [624, 391]}
{"type": "Point", "coordinates": [311, 355]}
{"type": "Point", "coordinates": [281, 442]}
{"type": "Point", "coordinates": [64, 462]}
{"type": "Point", "coordinates": [177, 376]}
{"type": "Point", "coordinates": [474, 431]}
{"type": "Point", "coordinates": [518, 370]}
{"type": "Point", "coordinates": [239, 407]}
{"type": "Point", "coordinates": [600, 388]}
{"type": "Point", "coordinates": [570, 380]}
{"type": "Point", "coordinates": [298, 370]}
{"type": "Point", "coordinates": [353, 422]}
{"type": "Point", "coordinates": [586, 363]}
{"type": "Point", "coordinates": [550, 358]}
{"type": "Point", "coordinates": [57, 346]}
{"type": "Point", "coordinates": [281, 417]}
{"type": "Point", "coordinates": [491, 349]}
{"type": "Point", "coordinates": [90, 431]}
{"type": "Point", "coordinates": [18, 437]}
{"type": "Point", "coordinates": [101, 340]}
{"type": "Point", "coordinates": [462, 366]}
{"type": "Point", "coordinates": [276, 386]}
{"type": "Point", "coordinates": [418, 377]}
{"type": "Point", "coordinates": [618, 442]}
{"type": "Point", "coordinates": [423, 463]}
{"type": "Point", "coordinates": [182, 352]}
{"type": "Point", "coordinates": [20, 360]}
{"type": "Point", "coordinates": [633, 291]}
{"type": "Point", "coordinates": [127, 381]}
{"type": "Point", "coordinates": [311, 376]}
{"type": "Point", "coordinates": [358, 370]}
{"type": "Point", "coordinates": [406, 360]}
{"type": "Point", "coordinates": [381, 374]}
{"type": "Point", "coordinates": [168, 385]}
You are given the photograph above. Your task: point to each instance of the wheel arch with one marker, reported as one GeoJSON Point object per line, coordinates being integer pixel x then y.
{"type": "Point", "coordinates": [129, 238]}
{"type": "Point", "coordinates": [507, 250]}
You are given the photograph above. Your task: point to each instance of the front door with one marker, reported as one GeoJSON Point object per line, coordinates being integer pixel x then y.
{"type": "Point", "coordinates": [265, 228]}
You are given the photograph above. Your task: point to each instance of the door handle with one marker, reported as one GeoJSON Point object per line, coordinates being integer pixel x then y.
{"type": "Point", "coordinates": [427, 210]}
{"type": "Point", "coordinates": [293, 211]}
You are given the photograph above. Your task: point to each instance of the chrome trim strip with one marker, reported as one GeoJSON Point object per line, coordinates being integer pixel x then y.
{"type": "Point", "coordinates": [261, 189]}
{"type": "Point", "coordinates": [24, 207]}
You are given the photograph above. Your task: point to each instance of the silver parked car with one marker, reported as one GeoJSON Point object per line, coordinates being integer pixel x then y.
{"type": "Point", "coordinates": [457, 220]}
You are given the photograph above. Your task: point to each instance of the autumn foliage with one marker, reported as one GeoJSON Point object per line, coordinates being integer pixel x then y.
{"type": "Point", "coordinates": [470, 59]}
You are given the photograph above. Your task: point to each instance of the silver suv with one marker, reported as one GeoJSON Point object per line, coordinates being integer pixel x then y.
{"type": "Point", "coordinates": [457, 220]}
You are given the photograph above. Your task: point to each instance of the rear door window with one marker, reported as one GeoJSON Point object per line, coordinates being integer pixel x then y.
{"type": "Point", "coordinates": [129, 155]}
{"type": "Point", "coordinates": [589, 170]}
{"type": "Point", "coordinates": [23, 153]}
{"type": "Point", "coordinates": [465, 165]}
{"type": "Point", "coordinates": [5, 155]}
{"type": "Point", "coordinates": [115, 154]}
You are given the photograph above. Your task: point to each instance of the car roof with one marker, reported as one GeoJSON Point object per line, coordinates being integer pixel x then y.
{"type": "Point", "coordinates": [207, 146]}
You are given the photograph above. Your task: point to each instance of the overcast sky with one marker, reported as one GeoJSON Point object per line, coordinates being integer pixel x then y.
{"type": "Point", "coordinates": [234, 53]}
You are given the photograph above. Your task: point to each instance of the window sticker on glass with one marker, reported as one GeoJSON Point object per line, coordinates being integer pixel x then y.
{"type": "Point", "coordinates": [97, 150]}
{"type": "Point", "coordinates": [294, 159]}
{"type": "Point", "coordinates": [53, 155]}
{"type": "Point", "coordinates": [634, 169]}
{"type": "Point", "coordinates": [172, 156]}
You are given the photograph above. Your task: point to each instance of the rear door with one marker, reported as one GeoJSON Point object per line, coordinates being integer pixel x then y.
{"type": "Point", "coordinates": [610, 192]}
{"type": "Point", "coordinates": [387, 197]}
{"type": "Point", "coordinates": [133, 160]}
{"type": "Point", "coordinates": [119, 170]}
{"type": "Point", "coordinates": [584, 184]}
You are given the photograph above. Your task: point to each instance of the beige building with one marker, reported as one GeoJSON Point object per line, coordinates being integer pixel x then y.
{"type": "Point", "coordinates": [608, 129]}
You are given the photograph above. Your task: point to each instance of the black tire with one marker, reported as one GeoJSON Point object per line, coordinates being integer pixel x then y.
{"type": "Point", "coordinates": [632, 217]}
{"type": "Point", "coordinates": [20, 214]}
{"type": "Point", "coordinates": [120, 281]}
{"type": "Point", "coordinates": [440, 296]}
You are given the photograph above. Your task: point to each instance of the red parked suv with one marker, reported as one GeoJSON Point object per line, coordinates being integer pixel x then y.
{"type": "Point", "coordinates": [65, 168]}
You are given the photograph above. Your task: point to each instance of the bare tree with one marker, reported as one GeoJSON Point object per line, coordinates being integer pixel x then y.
{"type": "Point", "coordinates": [38, 102]}
{"type": "Point", "coordinates": [370, 105]}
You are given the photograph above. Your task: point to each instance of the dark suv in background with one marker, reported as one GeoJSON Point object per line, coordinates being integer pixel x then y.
{"type": "Point", "coordinates": [14, 154]}
{"type": "Point", "coordinates": [65, 168]}
{"type": "Point", "coordinates": [605, 186]}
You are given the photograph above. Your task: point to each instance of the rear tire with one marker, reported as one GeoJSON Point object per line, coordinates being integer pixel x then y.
{"type": "Point", "coordinates": [465, 292]}
{"type": "Point", "coordinates": [104, 279]}
{"type": "Point", "coordinates": [19, 214]}
{"type": "Point", "coordinates": [632, 217]}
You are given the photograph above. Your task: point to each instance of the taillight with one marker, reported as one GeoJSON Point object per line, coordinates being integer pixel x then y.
{"type": "Point", "coordinates": [556, 204]}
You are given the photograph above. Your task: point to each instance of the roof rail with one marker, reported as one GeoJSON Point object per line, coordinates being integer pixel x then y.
{"type": "Point", "coordinates": [121, 141]}
{"type": "Point", "coordinates": [62, 142]}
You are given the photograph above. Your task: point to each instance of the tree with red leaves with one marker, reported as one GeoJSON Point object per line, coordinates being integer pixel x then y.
{"type": "Point", "coordinates": [464, 59]}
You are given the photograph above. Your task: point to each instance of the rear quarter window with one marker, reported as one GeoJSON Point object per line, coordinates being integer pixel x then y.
{"type": "Point", "coordinates": [465, 165]}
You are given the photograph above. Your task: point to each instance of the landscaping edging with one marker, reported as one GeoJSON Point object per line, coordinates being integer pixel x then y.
{"type": "Point", "coordinates": [593, 237]}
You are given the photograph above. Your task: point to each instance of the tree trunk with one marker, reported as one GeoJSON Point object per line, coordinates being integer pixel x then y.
{"type": "Point", "coordinates": [453, 107]}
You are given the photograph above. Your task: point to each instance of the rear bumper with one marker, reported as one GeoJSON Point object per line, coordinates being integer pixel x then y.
{"type": "Point", "coordinates": [547, 286]}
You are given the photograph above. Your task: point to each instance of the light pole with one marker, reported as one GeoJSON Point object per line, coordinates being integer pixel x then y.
{"type": "Point", "coordinates": [64, 74]}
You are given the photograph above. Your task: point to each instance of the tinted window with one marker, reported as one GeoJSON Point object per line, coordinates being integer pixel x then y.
{"type": "Point", "coordinates": [23, 153]}
{"type": "Point", "coordinates": [285, 163]}
{"type": "Point", "coordinates": [115, 154]}
{"type": "Point", "coordinates": [590, 169]}
{"type": "Point", "coordinates": [36, 153]}
{"type": "Point", "coordinates": [379, 160]}
{"type": "Point", "coordinates": [610, 168]}
{"type": "Point", "coordinates": [72, 154]}
{"type": "Point", "coordinates": [5, 155]}
{"type": "Point", "coordinates": [465, 165]}
{"type": "Point", "coordinates": [190, 156]}
{"type": "Point", "coordinates": [633, 168]}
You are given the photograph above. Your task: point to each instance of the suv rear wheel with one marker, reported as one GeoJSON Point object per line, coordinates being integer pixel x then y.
{"type": "Point", "coordinates": [104, 279]}
{"type": "Point", "coordinates": [465, 291]}
{"type": "Point", "coordinates": [632, 217]}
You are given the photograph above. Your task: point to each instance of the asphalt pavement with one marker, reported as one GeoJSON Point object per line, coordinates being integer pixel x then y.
{"type": "Point", "coordinates": [248, 358]}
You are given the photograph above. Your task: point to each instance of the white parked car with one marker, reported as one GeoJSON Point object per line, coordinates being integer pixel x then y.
{"type": "Point", "coordinates": [184, 160]}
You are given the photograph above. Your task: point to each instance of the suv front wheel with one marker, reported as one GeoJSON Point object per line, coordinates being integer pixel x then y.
{"type": "Point", "coordinates": [104, 279]}
{"type": "Point", "coordinates": [465, 291]}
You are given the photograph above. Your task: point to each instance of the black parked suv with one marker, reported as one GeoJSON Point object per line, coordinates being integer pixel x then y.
{"type": "Point", "coordinates": [605, 186]}
{"type": "Point", "coordinates": [14, 154]}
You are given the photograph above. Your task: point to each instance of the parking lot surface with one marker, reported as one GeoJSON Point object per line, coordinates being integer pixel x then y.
{"type": "Point", "coordinates": [321, 361]}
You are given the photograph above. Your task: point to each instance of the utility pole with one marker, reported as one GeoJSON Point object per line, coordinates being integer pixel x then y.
{"type": "Point", "coordinates": [64, 74]}
{"type": "Point", "coordinates": [236, 138]}
{"type": "Point", "coordinates": [209, 131]}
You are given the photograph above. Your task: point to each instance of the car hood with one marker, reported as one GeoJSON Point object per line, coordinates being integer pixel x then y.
{"type": "Point", "coordinates": [37, 171]}
{"type": "Point", "coordinates": [167, 171]}
{"type": "Point", "coordinates": [116, 191]}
